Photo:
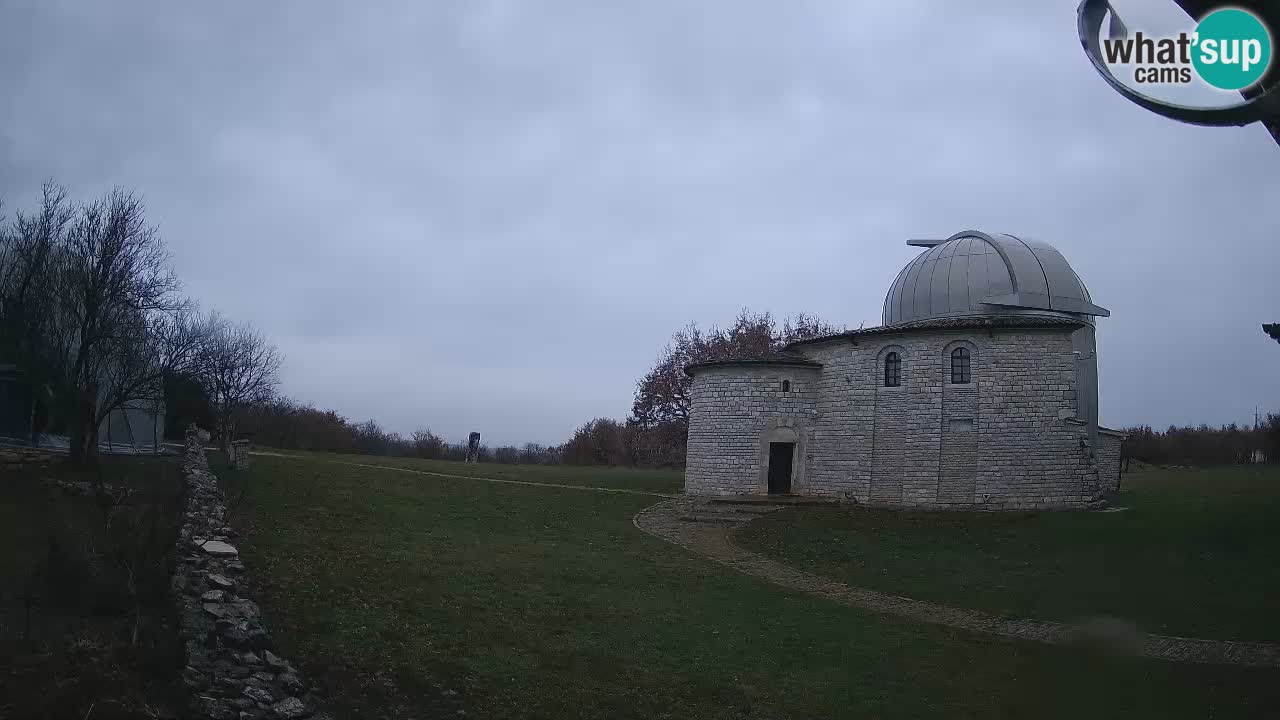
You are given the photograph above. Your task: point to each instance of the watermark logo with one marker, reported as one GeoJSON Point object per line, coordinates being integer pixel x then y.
{"type": "Point", "coordinates": [1230, 49]}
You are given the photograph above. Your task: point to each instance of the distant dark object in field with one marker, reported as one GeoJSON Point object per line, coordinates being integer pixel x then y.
{"type": "Point", "coordinates": [473, 447]}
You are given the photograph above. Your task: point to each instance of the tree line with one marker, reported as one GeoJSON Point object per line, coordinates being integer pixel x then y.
{"type": "Point", "coordinates": [93, 317]}
{"type": "Point", "coordinates": [1205, 445]}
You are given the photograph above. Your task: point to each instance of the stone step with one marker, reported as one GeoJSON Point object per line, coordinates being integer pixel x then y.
{"type": "Point", "coordinates": [758, 509]}
{"type": "Point", "coordinates": [774, 500]}
{"type": "Point", "coordinates": [712, 519]}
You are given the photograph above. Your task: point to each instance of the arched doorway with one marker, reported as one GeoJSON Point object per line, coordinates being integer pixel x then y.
{"type": "Point", "coordinates": [780, 446]}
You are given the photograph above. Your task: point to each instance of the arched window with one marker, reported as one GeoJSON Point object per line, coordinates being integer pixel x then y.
{"type": "Point", "coordinates": [960, 366]}
{"type": "Point", "coordinates": [786, 386]}
{"type": "Point", "coordinates": [892, 370]}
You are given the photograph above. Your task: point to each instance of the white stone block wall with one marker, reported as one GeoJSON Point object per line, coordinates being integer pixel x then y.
{"type": "Point", "coordinates": [732, 409]}
{"type": "Point", "coordinates": [1001, 442]}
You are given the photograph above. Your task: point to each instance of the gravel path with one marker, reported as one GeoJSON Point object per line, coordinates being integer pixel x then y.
{"type": "Point", "coordinates": [705, 528]}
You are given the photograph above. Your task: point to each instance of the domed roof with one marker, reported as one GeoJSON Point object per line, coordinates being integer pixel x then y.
{"type": "Point", "coordinates": [975, 273]}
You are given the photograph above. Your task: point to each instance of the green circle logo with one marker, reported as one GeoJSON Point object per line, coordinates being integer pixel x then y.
{"type": "Point", "coordinates": [1233, 49]}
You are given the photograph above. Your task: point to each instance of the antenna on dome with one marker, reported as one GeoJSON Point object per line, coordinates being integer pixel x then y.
{"type": "Point", "coordinates": [917, 242]}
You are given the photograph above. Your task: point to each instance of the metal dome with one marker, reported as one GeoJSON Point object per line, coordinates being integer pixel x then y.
{"type": "Point", "coordinates": [974, 273]}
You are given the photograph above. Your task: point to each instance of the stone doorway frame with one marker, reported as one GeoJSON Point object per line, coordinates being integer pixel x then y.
{"type": "Point", "coordinates": [783, 430]}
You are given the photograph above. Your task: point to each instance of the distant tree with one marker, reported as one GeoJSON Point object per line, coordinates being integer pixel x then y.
{"type": "Point", "coordinates": [371, 439]}
{"type": "Point", "coordinates": [185, 402]}
{"type": "Point", "coordinates": [660, 411]}
{"type": "Point", "coordinates": [280, 422]}
{"type": "Point", "coordinates": [1203, 444]}
{"type": "Point", "coordinates": [237, 367]}
{"type": "Point", "coordinates": [662, 395]}
{"type": "Point", "coordinates": [601, 441]}
{"type": "Point", "coordinates": [428, 445]}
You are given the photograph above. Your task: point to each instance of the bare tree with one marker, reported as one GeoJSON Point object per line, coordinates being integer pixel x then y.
{"type": "Point", "coordinates": [29, 251]}
{"type": "Point", "coordinates": [83, 289]}
{"type": "Point", "coordinates": [238, 367]}
{"type": "Point", "coordinates": [155, 345]}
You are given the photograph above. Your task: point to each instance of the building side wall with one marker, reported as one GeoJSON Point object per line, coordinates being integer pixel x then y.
{"type": "Point", "coordinates": [1109, 458]}
{"type": "Point", "coordinates": [734, 412]}
{"type": "Point", "coordinates": [1031, 456]}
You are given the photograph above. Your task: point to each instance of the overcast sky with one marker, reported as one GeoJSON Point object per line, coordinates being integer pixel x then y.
{"type": "Point", "coordinates": [492, 215]}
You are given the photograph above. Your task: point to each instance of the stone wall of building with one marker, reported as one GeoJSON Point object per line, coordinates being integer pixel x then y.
{"type": "Point", "coordinates": [1109, 458]}
{"type": "Point", "coordinates": [231, 670]}
{"type": "Point", "coordinates": [733, 410]}
{"type": "Point", "coordinates": [1000, 442]}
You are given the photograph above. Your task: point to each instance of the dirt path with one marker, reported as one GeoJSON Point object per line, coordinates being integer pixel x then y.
{"type": "Point", "coordinates": [705, 528]}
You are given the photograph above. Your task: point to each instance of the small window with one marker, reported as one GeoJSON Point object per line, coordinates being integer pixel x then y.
{"type": "Point", "coordinates": [892, 370]}
{"type": "Point", "coordinates": [786, 386]}
{"type": "Point", "coordinates": [960, 366]}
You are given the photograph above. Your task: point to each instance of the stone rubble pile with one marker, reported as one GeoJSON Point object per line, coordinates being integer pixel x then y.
{"type": "Point", "coordinates": [72, 487]}
{"type": "Point", "coordinates": [231, 669]}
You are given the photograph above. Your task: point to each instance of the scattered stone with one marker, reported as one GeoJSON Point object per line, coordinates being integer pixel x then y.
{"type": "Point", "coordinates": [235, 637]}
{"type": "Point", "coordinates": [220, 581]}
{"type": "Point", "coordinates": [247, 608]}
{"type": "Point", "coordinates": [257, 638]}
{"type": "Point", "coordinates": [257, 694]}
{"type": "Point", "coordinates": [218, 710]}
{"type": "Point", "coordinates": [292, 683]}
{"type": "Point", "coordinates": [213, 596]}
{"type": "Point", "coordinates": [273, 660]}
{"type": "Point", "coordinates": [251, 658]}
{"type": "Point", "coordinates": [290, 708]}
{"type": "Point", "coordinates": [214, 609]}
{"type": "Point", "coordinates": [218, 548]}
{"type": "Point", "coordinates": [264, 676]}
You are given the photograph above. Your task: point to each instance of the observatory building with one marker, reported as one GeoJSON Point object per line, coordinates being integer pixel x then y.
{"type": "Point", "coordinates": [979, 391]}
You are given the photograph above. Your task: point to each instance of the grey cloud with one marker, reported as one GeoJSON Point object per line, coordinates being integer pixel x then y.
{"type": "Point", "coordinates": [492, 215]}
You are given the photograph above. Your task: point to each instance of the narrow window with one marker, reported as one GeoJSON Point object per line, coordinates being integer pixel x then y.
{"type": "Point", "coordinates": [786, 386]}
{"type": "Point", "coordinates": [960, 366]}
{"type": "Point", "coordinates": [892, 370]}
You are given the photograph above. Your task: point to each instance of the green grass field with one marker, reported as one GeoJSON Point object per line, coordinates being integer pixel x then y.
{"type": "Point", "coordinates": [658, 481]}
{"type": "Point", "coordinates": [421, 596]}
{"type": "Point", "coordinates": [1195, 553]}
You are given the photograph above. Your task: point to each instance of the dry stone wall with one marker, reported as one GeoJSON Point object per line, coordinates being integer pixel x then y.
{"type": "Point", "coordinates": [232, 669]}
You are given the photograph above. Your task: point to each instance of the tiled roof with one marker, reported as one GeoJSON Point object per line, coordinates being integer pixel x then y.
{"type": "Point", "coordinates": [953, 323]}
{"type": "Point", "coordinates": [782, 359]}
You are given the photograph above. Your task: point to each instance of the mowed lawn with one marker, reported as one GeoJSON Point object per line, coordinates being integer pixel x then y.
{"type": "Point", "coordinates": [415, 596]}
{"type": "Point", "coordinates": [1194, 553]}
{"type": "Point", "coordinates": [657, 481]}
